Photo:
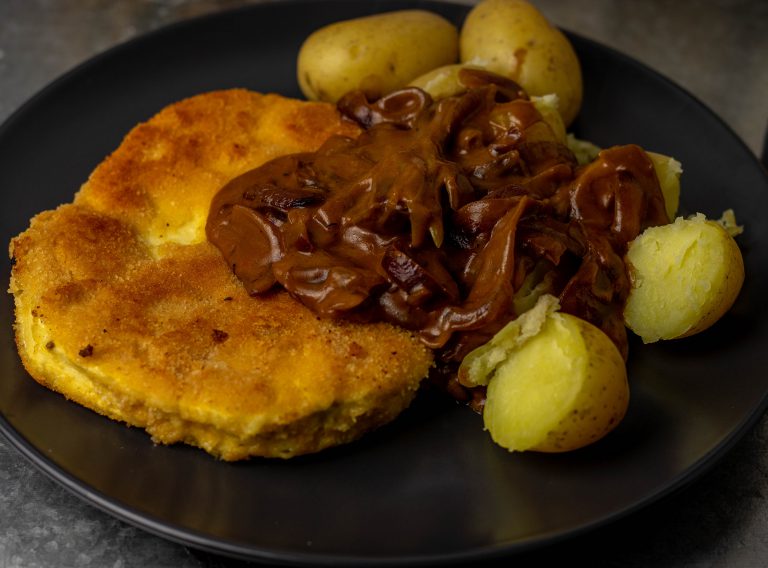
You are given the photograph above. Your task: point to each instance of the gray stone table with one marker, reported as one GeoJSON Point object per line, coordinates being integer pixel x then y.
{"type": "Point", "coordinates": [718, 50]}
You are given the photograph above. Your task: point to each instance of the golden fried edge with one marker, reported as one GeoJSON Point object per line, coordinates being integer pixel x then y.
{"type": "Point", "coordinates": [103, 289]}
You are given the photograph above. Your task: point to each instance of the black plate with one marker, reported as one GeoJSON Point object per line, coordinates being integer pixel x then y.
{"type": "Point", "coordinates": [431, 486]}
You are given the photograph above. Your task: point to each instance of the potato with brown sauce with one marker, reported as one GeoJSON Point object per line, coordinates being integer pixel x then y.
{"type": "Point", "coordinates": [554, 382]}
{"type": "Point", "coordinates": [514, 39]}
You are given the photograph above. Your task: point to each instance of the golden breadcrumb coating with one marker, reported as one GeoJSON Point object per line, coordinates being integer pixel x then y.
{"type": "Point", "coordinates": [123, 306]}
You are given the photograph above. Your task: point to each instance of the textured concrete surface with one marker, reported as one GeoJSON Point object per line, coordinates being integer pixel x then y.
{"type": "Point", "coordinates": [717, 50]}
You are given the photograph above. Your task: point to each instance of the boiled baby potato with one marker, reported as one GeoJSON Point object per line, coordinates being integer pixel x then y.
{"type": "Point", "coordinates": [514, 39]}
{"type": "Point", "coordinates": [668, 170]}
{"type": "Point", "coordinates": [377, 54]}
{"type": "Point", "coordinates": [555, 382]}
{"type": "Point", "coordinates": [445, 82]}
{"type": "Point", "coordinates": [684, 276]}
{"type": "Point", "coordinates": [442, 82]}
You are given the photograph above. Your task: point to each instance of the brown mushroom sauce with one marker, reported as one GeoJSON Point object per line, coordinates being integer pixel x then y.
{"type": "Point", "coordinates": [447, 218]}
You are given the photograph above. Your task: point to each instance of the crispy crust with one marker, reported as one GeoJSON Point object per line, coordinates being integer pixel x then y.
{"type": "Point", "coordinates": [124, 307]}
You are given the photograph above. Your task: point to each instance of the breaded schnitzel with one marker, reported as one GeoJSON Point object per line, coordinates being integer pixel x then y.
{"type": "Point", "coordinates": [123, 306]}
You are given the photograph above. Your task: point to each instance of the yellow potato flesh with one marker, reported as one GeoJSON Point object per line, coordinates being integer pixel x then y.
{"type": "Point", "coordinates": [584, 151]}
{"type": "Point", "coordinates": [555, 382]}
{"type": "Point", "coordinates": [668, 170]}
{"type": "Point", "coordinates": [685, 276]}
{"type": "Point", "coordinates": [548, 106]}
{"type": "Point", "coordinates": [377, 54]}
{"type": "Point", "coordinates": [442, 82]}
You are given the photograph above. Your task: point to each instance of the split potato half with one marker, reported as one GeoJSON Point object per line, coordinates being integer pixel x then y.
{"type": "Point", "coordinates": [684, 275]}
{"type": "Point", "coordinates": [555, 382]}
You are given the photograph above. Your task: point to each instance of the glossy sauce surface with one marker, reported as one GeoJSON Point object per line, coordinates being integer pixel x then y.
{"type": "Point", "coordinates": [446, 218]}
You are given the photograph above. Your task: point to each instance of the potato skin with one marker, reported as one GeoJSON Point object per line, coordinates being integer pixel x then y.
{"type": "Point", "coordinates": [512, 38]}
{"type": "Point", "coordinates": [685, 276]}
{"type": "Point", "coordinates": [378, 54]}
{"type": "Point", "coordinates": [603, 399]}
{"type": "Point", "coordinates": [555, 382]}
